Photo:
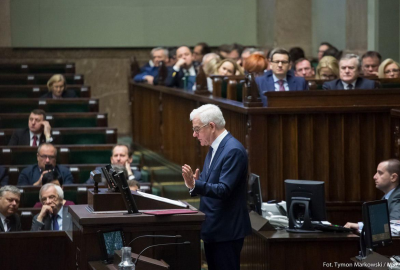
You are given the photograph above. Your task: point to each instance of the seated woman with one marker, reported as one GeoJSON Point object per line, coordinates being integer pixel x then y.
{"type": "Point", "coordinates": [389, 69]}
{"type": "Point", "coordinates": [56, 86]}
{"type": "Point", "coordinates": [52, 177]}
{"type": "Point", "coordinates": [227, 67]}
{"type": "Point", "coordinates": [256, 63]}
{"type": "Point", "coordinates": [327, 69]}
{"type": "Point", "coordinates": [209, 64]}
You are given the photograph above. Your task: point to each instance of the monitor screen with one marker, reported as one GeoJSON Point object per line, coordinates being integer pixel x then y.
{"type": "Point", "coordinates": [111, 241]}
{"type": "Point", "coordinates": [376, 224]}
{"type": "Point", "coordinates": [305, 202]}
{"type": "Point", "coordinates": [254, 197]}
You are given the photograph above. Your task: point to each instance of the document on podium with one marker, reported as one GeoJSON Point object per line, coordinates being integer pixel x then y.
{"type": "Point", "coordinates": [161, 199]}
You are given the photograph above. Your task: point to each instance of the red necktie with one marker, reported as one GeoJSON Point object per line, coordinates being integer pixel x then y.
{"type": "Point", "coordinates": [281, 87]}
{"type": "Point", "coordinates": [34, 140]}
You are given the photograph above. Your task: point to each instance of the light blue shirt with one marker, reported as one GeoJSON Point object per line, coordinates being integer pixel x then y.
{"type": "Point", "coordinates": [276, 84]}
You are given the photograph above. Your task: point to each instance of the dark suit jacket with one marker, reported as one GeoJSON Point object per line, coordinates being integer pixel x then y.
{"type": "Point", "coordinates": [31, 174]}
{"type": "Point", "coordinates": [46, 225]}
{"type": "Point", "coordinates": [15, 223]}
{"type": "Point", "coordinates": [67, 93]}
{"type": "Point", "coordinates": [174, 79]}
{"type": "Point", "coordinates": [361, 83]}
{"type": "Point", "coordinates": [23, 137]}
{"type": "Point", "coordinates": [394, 204]}
{"type": "Point", "coordinates": [266, 83]}
{"type": "Point", "coordinates": [223, 193]}
{"type": "Point", "coordinates": [3, 176]}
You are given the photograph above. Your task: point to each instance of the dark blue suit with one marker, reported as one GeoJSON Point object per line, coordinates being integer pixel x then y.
{"type": "Point", "coordinates": [361, 83]}
{"type": "Point", "coordinates": [266, 83]}
{"type": "Point", "coordinates": [31, 174]}
{"type": "Point", "coordinates": [223, 200]}
{"type": "Point", "coordinates": [145, 71]}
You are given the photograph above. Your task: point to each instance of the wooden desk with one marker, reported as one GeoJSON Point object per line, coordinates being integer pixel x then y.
{"type": "Point", "coordinates": [280, 250]}
{"type": "Point", "coordinates": [45, 250]}
{"type": "Point", "coordinates": [340, 145]}
{"type": "Point", "coordinates": [86, 245]}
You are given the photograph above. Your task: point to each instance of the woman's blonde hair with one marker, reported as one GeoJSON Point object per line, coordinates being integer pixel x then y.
{"type": "Point", "coordinates": [55, 78]}
{"type": "Point", "coordinates": [235, 66]}
{"type": "Point", "coordinates": [328, 62]}
{"type": "Point", "coordinates": [383, 65]}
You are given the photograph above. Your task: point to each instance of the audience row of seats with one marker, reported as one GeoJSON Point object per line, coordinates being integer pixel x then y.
{"type": "Point", "coordinates": [79, 131]}
{"type": "Point", "coordinates": [27, 91]}
{"type": "Point", "coordinates": [56, 120]}
{"type": "Point", "coordinates": [100, 135]}
{"type": "Point", "coordinates": [37, 68]}
{"type": "Point", "coordinates": [37, 79]}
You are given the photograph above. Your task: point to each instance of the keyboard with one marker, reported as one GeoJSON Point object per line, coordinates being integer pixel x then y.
{"type": "Point", "coordinates": [331, 228]}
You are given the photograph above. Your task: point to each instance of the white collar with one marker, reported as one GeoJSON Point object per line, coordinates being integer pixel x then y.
{"type": "Point", "coordinates": [218, 140]}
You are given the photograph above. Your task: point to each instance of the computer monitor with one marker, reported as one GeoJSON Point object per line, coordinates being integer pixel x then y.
{"type": "Point", "coordinates": [305, 202]}
{"type": "Point", "coordinates": [110, 241]}
{"type": "Point", "coordinates": [376, 230]}
{"type": "Point", "coordinates": [254, 197]}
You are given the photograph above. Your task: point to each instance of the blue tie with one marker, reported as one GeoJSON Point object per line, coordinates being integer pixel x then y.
{"type": "Point", "coordinates": [208, 159]}
{"type": "Point", "coordinates": [55, 223]}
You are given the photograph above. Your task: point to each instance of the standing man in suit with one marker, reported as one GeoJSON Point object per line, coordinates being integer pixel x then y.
{"type": "Point", "coordinates": [53, 216]}
{"type": "Point", "coordinates": [386, 180]}
{"type": "Point", "coordinates": [349, 70]}
{"type": "Point", "coordinates": [46, 155]}
{"type": "Point", "coordinates": [222, 185]}
{"type": "Point", "coordinates": [280, 77]}
{"type": "Point", "coordinates": [38, 131]}
{"type": "Point", "coordinates": [9, 202]}
{"type": "Point", "coordinates": [183, 73]}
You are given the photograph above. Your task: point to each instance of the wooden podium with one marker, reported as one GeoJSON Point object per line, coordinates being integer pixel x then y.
{"type": "Point", "coordinates": [86, 226]}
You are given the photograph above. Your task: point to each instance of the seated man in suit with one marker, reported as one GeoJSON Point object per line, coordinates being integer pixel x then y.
{"type": "Point", "coordinates": [370, 62]}
{"type": "Point", "coordinates": [199, 51]}
{"type": "Point", "coordinates": [121, 155]}
{"type": "Point", "coordinates": [9, 202]}
{"type": "Point", "coordinates": [54, 215]}
{"type": "Point", "coordinates": [149, 71]}
{"type": "Point", "coordinates": [303, 68]}
{"type": "Point", "coordinates": [387, 180]}
{"type": "Point", "coordinates": [349, 70]}
{"type": "Point", "coordinates": [46, 156]}
{"type": "Point", "coordinates": [183, 73]}
{"type": "Point", "coordinates": [280, 77]}
{"type": "Point", "coordinates": [38, 131]}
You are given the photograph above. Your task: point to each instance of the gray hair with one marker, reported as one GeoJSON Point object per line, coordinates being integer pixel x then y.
{"type": "Point", "coordinates": [209, 113]}
{"type": "Point", "coordinates": [59, 190]}
{"type": "Point", "coordinates": [12, 189]}
{"type": "Point", "coordinates": [250, 50]}
{"type": "Point", "coordinates": [211, 56]}
{"type": "Point", "coordinates": [351, 56]}
{"type": "Point", "coordinates": [165, 51]}
{"type": "Point", "coordinates": [47, 144]}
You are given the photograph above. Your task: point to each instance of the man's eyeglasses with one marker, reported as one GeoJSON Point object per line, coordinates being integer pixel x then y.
{"type": "Point", "coordinates": [282, 62]}
{"type": "Point", "coordinates": [197, 129]}
{"type": "Point", "coordinates": [46, 157]}
{"type": "Point", "coordinates": [393, 70]}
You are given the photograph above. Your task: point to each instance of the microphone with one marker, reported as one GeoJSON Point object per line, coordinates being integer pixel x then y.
{"type": "Point", "coordinates": [168, 244]}
{"type": "Point", "coordinates": [155, 236]}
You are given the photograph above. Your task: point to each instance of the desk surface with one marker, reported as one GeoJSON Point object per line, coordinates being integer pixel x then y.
{"type": "Point", "coordinates": [280, 250]}
{"type": "Point", "coordinates": [84, 217]}
{"type": "Point", "coordinates": [284, 236]}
